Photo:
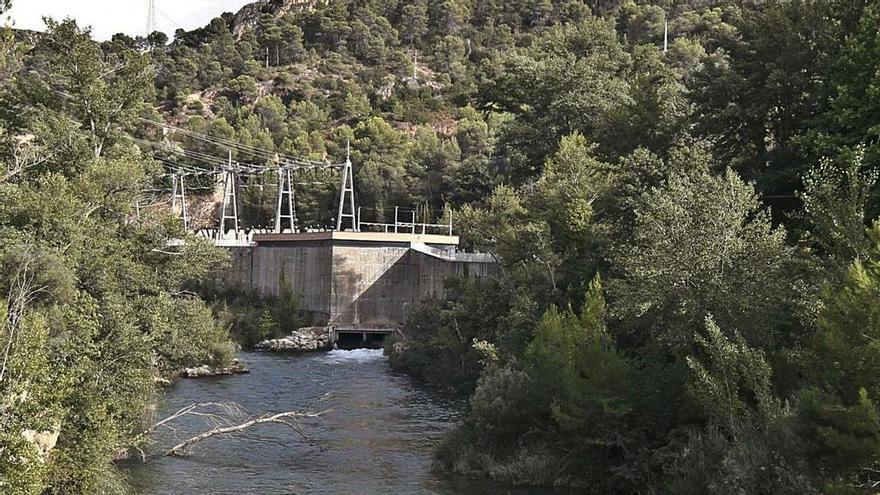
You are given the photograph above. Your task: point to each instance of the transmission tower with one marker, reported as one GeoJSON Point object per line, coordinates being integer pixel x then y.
{"type": "Point", "coordinates": [347, 193]}
{"type": "Point", "coordinates": [151, 17]}
{"type": "Point", "coordinates": [230, 199]}
{"type": "Point", "coordinates": [285, 188]}
{"type": "Point", "coordinates": [178, 198]}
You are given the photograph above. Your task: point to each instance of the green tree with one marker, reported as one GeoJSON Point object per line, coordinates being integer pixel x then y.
{"type": "Point", "coordinates": [655, 116]}
{"type": "Point", "coordinates": [380, 152]}
{"type": "Point", "coordinates": [571, 183]}
{"type": "Point", "coordinates": [522, 244]}
{"type": "Point", "coordinates": [703, 245]}
{"type": "Point", "coordinates": [835, 197]}
{"type": "Point", "coordinates": [270, 36]}
{"type": "Point", "coordinates": [853, 114]}
{"type": "Point", "coordinates": [96, 304]}
{"type": "Point", "coordinates": [292, 49]}
{"type": "Point", "coordinates": [838, 412]}
{"type": "Point", "coordinates": [766, 85]}
{"type": "Point", "coordinates": [731, 382]}
{"type": "Point", "coordinates": [561, 84]}
{"type": "Point", "coordinates": [103, 95]}
{"type": "Point", "coordinates": [573, 360]}
{"type": "Point", "coordinates": [847, 330]}
{"type": "Point", "coordinates": [414, 22]}
{"type": "Point", "coordinates": [439, 349]}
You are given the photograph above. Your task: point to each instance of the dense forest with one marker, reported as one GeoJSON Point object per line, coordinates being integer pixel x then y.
{"type": "Point", "coordinates": [689, 268]}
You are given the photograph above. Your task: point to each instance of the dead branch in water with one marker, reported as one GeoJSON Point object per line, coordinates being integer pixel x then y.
{"type": "Point", "coordinates": [228, 418]}
{"type": "Point", "coordinates": [231, 410]}
{"type": "Point", "coordinates": [289, 419]}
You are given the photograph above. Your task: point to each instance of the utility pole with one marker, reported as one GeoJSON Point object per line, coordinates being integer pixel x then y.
{"type": "Point", "coordinates": [415, 63]}
{"type": "Point", "coordinates": [665, 36]}
{"type": "Point", "coordinates": [178, 199]}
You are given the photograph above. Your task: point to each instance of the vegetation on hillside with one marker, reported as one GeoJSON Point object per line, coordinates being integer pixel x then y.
{"type": "Point", "coordinates": [688, 264]}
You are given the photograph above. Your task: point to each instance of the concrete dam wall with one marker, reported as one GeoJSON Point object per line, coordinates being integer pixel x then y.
{"type": "Point", "coordinates": [354, 278]}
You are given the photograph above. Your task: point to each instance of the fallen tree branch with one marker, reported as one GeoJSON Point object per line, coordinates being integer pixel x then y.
{"type": "Point", "coordinates": [287, 418]}
{"type": "Point", "coordinates": [191, 410]}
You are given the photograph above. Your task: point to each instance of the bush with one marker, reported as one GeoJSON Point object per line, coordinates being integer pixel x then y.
{"type": "Point", "coordinates": [252, 318]}
{"type": "Point", "coordinates": [753, 461]}
{"type": "Point", "coordinates": [438, 349]}
{"type": "Point", "coordinates": [571, 393]}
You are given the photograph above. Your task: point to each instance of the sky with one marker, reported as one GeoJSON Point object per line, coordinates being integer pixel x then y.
{"type": "Point", "coordinates": [108, 17]}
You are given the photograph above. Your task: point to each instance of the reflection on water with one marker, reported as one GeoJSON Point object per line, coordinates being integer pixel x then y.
{"type": "Point", "coordinates": [377, 439]}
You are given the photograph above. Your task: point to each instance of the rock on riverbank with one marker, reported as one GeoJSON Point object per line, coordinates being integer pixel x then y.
{"type": "Point", "coordinates": [309, 339]}
{"type": "Point", "coordinates": [206, 371]}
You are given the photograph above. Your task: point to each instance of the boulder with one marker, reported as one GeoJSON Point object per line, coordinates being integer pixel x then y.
{"type": "Point", "coordinates": [206, 371]}
{"type": "Point", "coordinates": [161, 381]}
{"type": "Point", "coordinates": [44, 440]}
{"type": "Point", "coordinates": [308, 339]}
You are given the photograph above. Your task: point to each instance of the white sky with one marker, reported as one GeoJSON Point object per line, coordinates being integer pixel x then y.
{"type": "Point", "coordinates": [108, 17]}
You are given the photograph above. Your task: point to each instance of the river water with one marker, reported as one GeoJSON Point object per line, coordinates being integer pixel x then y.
{"type": "Point", "coordinates": [378, 437]}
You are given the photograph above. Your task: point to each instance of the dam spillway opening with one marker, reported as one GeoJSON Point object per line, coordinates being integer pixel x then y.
{"type": "Point", "coordinates": [352, 339]}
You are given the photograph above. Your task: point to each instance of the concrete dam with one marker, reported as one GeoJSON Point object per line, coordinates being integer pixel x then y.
{"type": "Point", "coordinates": [361, 277]}
{"type": "Point", "coordinates": [354, 281]}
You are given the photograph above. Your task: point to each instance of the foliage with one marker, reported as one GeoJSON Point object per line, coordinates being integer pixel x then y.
{"type": "Point", "coordinates": [439, 347]}
{"type": "Point", "coordinates": [838, 411]}
{"type": "Point", "coordinates": [836, 204]}
{"type": "Point", "coordinates": [251, 317]}
{"type": "Point", "coordinates": [95, 306]}
{"type": "Point", "coordinates": [845, 342]}
{"type": "Point", "coordinates": [570, 77]}
{"type": "Point", "coordinates": [732, 384]}
{"type": "Point", "coordinates": [756, 461]}
{"type": "Point", "coordinates": [764, 83]}
{"type": "Point", "coordinates": [571, 385]}
{"type": "Point", "coordinates": [569, 144]}
{"type": "Point", "coordinates": [702, 245]}
{"type": "Point", "coordinates": [576, 354]}
{"type": "Point", "coordinates": [852, 118]}
{"type": "Point", "coordinates": [842, 436]}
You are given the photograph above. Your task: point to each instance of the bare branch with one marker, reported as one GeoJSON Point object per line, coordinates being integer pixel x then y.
{"type": "Point", "coordinates": [222, 418]}
{"type": "Point", "coordinates": [191, 409]}
{"type": "Point", "coordinates": [25, 155]}
{"type": "Point", "coordinates": [22, 292]}
{"type": "Point", "coordinates": [180, 448]}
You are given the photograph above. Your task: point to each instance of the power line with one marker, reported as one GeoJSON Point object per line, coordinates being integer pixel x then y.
{"type": "Point", "coordinates": [285, 161]}
{"type": "Point", "coordinates": [252, 150]}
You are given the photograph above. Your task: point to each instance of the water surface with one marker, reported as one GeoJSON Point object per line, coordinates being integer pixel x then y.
{"type": "Point", "coordinates": [377, 439]}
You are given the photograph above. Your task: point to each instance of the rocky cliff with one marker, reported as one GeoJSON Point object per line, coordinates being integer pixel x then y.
{"type": "Point", "coordinates": [250, 14]}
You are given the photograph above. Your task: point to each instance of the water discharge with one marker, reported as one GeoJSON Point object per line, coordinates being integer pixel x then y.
{"type": "Point", "coordinates": [377, 439]}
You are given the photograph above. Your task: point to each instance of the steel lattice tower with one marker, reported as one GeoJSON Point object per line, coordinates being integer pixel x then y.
{"type": "Point", "coordinates": [151, 17]}
{"type": "Point", "coordinates": [346, 195]}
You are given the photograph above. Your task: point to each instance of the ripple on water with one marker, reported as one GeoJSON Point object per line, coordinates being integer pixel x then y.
{"type": "Point", "coordinates": [378, 437]}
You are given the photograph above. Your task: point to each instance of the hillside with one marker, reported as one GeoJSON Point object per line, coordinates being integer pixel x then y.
{"type": "Point", "coordinates": [432, 92]}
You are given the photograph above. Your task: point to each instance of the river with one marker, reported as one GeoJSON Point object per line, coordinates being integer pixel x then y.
{"type": "Point", "coordinates": [378, 437]}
